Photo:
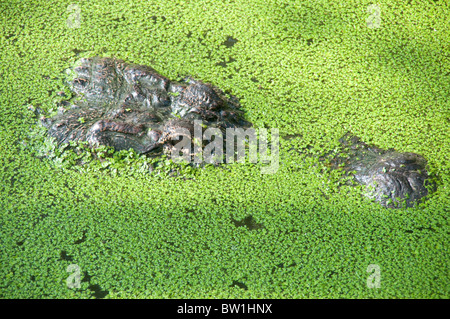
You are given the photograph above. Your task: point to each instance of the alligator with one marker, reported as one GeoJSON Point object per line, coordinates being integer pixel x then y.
{"type": "Point", "coordinates": [126, 105]}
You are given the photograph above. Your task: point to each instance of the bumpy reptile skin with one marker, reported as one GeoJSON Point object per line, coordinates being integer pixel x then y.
{"type": "Point", "coordinates": [126, 105]}
{"type": "Point", "coordinates": [390, 176]}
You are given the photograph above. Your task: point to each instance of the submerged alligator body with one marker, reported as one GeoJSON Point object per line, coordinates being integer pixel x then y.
{"type": "Point", "coordinates": [126, 105]}
{"type": "Point", "coordinates": [390, 177]}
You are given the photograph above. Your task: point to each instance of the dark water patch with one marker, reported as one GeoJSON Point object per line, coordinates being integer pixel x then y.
{"type": "Point", "coordinates": [20, 244]}
{"type": "Point", "coordinates": [77, 51]}
{"type": "Point", "coordinates": [225, 63]}
{"type": "Point", "coordinates": [13, 40]}
{"type": "Point", "coordinates": [330, 273]}
{"type": "Point", "coordinates": [155, 18]}
{"type": "Point", "coordinates": [424, 229]}
{"type": "Point", "coordinates": [282, 265]}
{"type": "Point", "coordinates": [64, 256]}
{"type": "Point", "coordinates": [82, 239]}
{"type": "Point", "coordinates": [229, 42]}
{"type": "Point", "coordinates": [121, 19]}
{"type": "Point", "coordinates": [248, 222]}
{"type": "Point", "coordinates": [97, 291]}
{"type": "Point", "coordinates": [239, 284]}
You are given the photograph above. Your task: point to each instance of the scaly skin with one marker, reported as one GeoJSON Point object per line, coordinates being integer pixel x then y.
{"type": "Point", "coordinates": [126, 105]}
{"type": "Point", "coordinates": [390, 176]}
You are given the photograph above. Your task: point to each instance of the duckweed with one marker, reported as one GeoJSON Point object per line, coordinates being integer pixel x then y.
{"type": "Point", "coordinates": [136, 229]}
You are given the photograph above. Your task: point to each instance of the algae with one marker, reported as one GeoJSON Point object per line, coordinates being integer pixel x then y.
{"type": "Point", "coordinates": [313, 69]}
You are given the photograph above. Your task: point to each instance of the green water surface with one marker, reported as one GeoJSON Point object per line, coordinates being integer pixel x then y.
{"type": "Point", "coordinates": [313, 69]}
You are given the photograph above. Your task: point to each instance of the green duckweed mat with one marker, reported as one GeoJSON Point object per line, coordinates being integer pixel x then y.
{"type": "Point", "coordinates": [313, 69]}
